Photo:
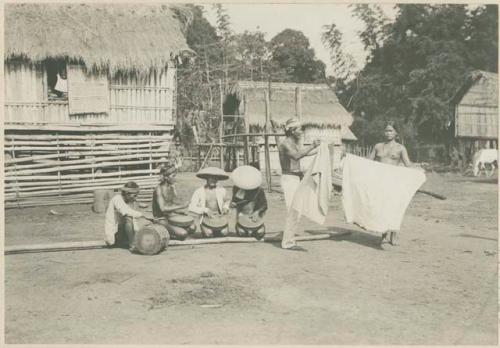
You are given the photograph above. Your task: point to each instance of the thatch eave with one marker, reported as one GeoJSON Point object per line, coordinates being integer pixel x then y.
{"type": "Point", "coordinates": [112, 37]}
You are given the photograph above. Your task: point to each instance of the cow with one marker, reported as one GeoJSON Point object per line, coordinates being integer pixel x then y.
{"type": "Point", "coordinates": [482, 157]}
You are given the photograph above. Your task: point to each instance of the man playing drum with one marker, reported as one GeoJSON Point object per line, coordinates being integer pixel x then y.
{"type": "Point", "coordinates": [164, 205]}
{"type": "Point", "coordinates": [119, 223]}
{"type": "Point", "coordinates": [250, 202]}
{"type": "Point", "coordinates": [211, 204]}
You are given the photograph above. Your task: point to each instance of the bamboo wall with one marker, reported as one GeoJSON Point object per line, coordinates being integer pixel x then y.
{"type": "Point", "coordinates": [477, 114]}
{"type": "Point", "coordinates": [148, 100]}
{"type": "Point", "coordinates": [50, 169]}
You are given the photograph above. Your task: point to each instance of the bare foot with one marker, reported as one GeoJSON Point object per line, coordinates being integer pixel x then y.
{"type": "Point", "coordinates": [394, 239]}
{"type": "Point", "coordinates": [384, 239]}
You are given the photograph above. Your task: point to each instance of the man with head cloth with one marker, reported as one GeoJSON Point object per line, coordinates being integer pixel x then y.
{"type": "Point", "coordinates": [290, 153]}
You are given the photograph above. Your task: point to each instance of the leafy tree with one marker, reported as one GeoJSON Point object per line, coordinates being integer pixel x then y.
{"type": "Point", "coordinates": [343, 64]}
{"type": "Point", "coordinates": [417, 67]}
{"type": "Point", "coordinates": [253, 55]}
{"type": "Point", "coordinates": [293, 60]}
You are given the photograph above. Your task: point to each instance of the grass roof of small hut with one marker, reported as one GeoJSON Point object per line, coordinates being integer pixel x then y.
{"type": "Point", "coordinates": [488, 91]}
{"type": "Point", "coordinates": [320, 106]}
{"type": "Point", "coordinates": [114, 37]}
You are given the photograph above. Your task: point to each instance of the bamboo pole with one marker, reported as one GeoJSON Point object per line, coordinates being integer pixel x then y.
{"type": "Point", "coordinates": [266, 143]}
{"type": "Point", "coordinates": [68, 176]}
{"type": "Point", "coordinates": [221, 129]}
{"type": "Point", "coordinates": [104, 148]}
{"type": "Point", "coordinates": [80, 154]}
{"type": "Point", "coordinates": [86, 160]}
{"type": "Point", "coordinates": [98, 244]}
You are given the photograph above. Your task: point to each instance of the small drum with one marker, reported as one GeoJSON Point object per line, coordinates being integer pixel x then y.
{"type": "Point", "coordinates": [218, 222]}
{"type": "Point", "coordinates": [249, 224]}
{"type": "Point", "coordinates": [150, 239]}
{"type": "Point", "coordinates": [180, 220]}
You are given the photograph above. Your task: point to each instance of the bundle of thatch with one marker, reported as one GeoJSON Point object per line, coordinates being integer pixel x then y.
{"type": "Point", "coordinates": [101, 36]}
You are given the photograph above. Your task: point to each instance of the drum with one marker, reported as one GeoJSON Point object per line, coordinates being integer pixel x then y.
{"type": "Point", "coordinates": [217, 222]}
{"type": "Point", "coordinates": [150, 239]}
{"type": "Point", "coordinates": [246, 222]}
{"type": "Point", "coordinates": [180, 220]}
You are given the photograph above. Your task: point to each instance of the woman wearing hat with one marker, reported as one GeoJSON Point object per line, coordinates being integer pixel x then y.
{"type": "Point", "coordinates": [290, 153]}
{"type": "Point", "coordinates": [250, 202]}
{"type": "Point", "coordinates": [119, 223]}
{"type": "Point", "coordinates": [210, 203]}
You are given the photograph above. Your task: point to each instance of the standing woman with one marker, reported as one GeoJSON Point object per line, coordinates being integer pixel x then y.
{"type": "Point", "coordinates": [390, 152]}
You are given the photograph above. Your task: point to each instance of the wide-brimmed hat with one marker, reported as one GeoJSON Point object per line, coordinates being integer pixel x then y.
{"type": "Point", "coordinates": [212, 172]}
{"type": "Point", "coordinates": [292, 123]}
{"type": "Point", "coordinates": [246, 177]}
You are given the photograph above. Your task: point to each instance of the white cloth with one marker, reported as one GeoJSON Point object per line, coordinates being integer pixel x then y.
{"type": "Point", "coordinates": [117, 209]}
{"type": "Point", "coordinates": [198, 200]}
{"type": "Point", "coordinates": [313, 193]}
{"type": "Point", "coordinates": [61, 84]}
{"type": "Point", "coordinates": [375, 195]}
{"type": "Point", "coordinates": [290, 184]}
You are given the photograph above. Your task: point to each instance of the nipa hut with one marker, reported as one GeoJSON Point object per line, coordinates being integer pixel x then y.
{"type": "Point", "coordinates": [476, 113]}
{"type": "Point", "coordinates": [90, 96]}
{"type": "Point", "coordinates": [316, 105]}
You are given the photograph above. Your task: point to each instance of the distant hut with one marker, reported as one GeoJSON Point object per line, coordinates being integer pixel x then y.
{"type": "Point", "coordinates": [316, 105]}
{"type": "Point", "coordinates": [91, 85]}
{"type": "Point", "coordinates": [476, 113]}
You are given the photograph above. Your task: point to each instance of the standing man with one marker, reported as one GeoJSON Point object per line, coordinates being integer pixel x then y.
{"type": "Point", "coordinates": [165, 205]}
{"type": "Point", "coordinates": [119, 223]}
{"type": "Point", "coordinates": [290, 153]}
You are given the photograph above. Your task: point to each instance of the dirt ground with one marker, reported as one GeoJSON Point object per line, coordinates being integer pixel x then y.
{"type": "Point", "coordinates": [438, 287]}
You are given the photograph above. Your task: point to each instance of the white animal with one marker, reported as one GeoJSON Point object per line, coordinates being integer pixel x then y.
{"type": "Point", "coordinates": [482, 157]}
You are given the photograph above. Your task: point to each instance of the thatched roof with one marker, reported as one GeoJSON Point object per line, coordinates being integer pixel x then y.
{"type": "Point", "coordinates": [485, 95]}
{"type": "Point", "coordinates": [117, 37]}
{"type": "Point", "coordinates": [320, 105]}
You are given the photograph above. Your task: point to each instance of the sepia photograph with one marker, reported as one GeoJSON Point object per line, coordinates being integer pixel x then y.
{"type": "Point", "coordinates": [312, 173]}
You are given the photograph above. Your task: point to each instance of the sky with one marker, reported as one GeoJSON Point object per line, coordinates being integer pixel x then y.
{"type": "Point", "coordinates": [308, 18]}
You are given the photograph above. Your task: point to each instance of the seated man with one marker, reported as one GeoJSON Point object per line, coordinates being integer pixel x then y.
{"type": "Point", "coordinates": [250, 202]}
{"type": "Point", "coordinates": [119, 223]}
{"type": "Point", "coordinates": [164, 205]}
{"type": "Point", "coordinates": [210, 203]}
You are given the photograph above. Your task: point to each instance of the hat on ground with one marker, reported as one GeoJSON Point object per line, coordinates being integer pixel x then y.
{"type": "Point", "coordinates": [212, 172]}
{"type": "Point", "coordinates": [247, 177]}
{"type": "Point", "coordinates": [292, 123]}
{"type": "Point", "coordinates": [130, 187]}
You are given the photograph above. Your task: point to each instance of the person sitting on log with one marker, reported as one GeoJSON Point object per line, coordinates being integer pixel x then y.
{"type": "Point", "coordinates": [210, 203]}
{"type": "Point", "coordinates": [249, 200]}
{"type": "Point", "coordinates": [120, 215]}
{"type": "Point", "coordinates": [165, 208]}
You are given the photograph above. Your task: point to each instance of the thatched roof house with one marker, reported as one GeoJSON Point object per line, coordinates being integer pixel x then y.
{"type": "Point", "coordinates": [80, 65]}
{"type": "Point", "coordinates": [476, 106]}
{"type": "Point", "coordinates": [113, 37]}
{"type": "Point", "coordinates": [318, 104]}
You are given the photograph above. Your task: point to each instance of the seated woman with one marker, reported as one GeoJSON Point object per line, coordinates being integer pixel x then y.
{"type": "Point", "coordinates": [250, 202]}
{"type": "Point", "coordinates": [165, 205]}
{"type": "Point", "coordinates": [209, 202]}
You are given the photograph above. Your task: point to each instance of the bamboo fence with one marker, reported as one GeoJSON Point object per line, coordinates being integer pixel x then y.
{"type": "Point", "coordinates": [42, 170]}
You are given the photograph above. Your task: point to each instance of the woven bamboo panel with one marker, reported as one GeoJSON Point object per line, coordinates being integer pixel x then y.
{"type": "Point", "coordinates": [48, 169]}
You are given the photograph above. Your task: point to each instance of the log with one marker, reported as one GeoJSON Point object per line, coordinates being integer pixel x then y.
{"type": "Point", "coordinates": [88, 245]}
